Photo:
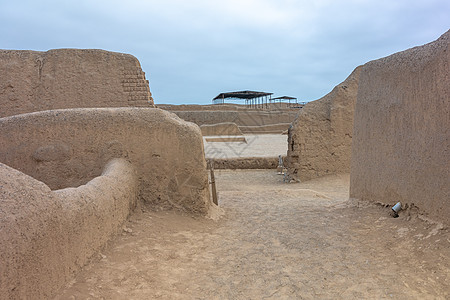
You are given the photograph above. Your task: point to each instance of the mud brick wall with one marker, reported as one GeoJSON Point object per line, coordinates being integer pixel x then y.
{"type": "Point", "coordinates": [136, 87]}
{"type": "Point", "coordinates": [70, 78]}
{"type": "Point", "coordinates": [401, 136]}
{"type": "Point", "coordinates": [320, 138]}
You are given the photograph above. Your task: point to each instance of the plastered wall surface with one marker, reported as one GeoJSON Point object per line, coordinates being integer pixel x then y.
{"type": "Point", "coordinates": [320, 137]}
{"type": "Point", "coordinates": [69, 178]}
{"type": "Point", "coordinates": [67, 148]}
{"type": "Point", "coordinates": [401, 141]}
{"type": "Point", "coordinates": [240, 117]}
{"type": "Point", "coordinates": [46, 236]}
{"type": "Point", "coordinates": [227, 128]}
{"type": "Point", "coordinates": [71, 171]}
{"type": "Point", "coordinates": [70, 78]}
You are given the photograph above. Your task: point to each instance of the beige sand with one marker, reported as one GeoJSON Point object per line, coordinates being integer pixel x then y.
{"type": "Point", "coordinates": [257, 145]}
{"type": "Point", "coordinates": [277, 241]}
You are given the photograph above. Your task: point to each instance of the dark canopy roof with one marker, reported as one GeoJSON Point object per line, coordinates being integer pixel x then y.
{"type": "Point", "coordinates": [242, 95]}
{"type": "Point", "coordinates": [284, 98]}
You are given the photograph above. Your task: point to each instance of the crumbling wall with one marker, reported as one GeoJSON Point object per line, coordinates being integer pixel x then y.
{"type": "Point", "coordinates": [320, 138]}
{"type": "Point", "coordinates": [240, 117]}
{"type": "Point", "coordinates": [46, 236]}
{"type": "Point", "coordinates": [272, 128]}
{"type": "Point", "coordinates": [60, 204]}
{"type": "Point", "coordinates": [227, 128]}
{"type": "Point", "coordinates": [401, 137]}
{"type": "Point", "coordinates": [67, 148]}
{"type": "Point", "coordinates": [70, 78]}
{"type": "Point", "coordinates": [246, 163]}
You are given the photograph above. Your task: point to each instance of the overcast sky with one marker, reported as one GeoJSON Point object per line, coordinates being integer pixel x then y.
{"type": "Point", "coordinates": [192, 50]}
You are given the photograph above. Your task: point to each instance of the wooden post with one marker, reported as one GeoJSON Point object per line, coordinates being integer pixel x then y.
{"type": "Point", "coordinates": [213, 182]}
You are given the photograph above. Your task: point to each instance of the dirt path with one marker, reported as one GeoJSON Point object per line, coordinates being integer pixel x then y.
{"type": "Point", "coordinates": [256, 145]}
{"type": "Point", "coordinates": [277, 241]}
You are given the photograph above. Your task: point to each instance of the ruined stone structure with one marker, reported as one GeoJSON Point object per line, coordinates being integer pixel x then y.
{"type": "Point", "coordinates": [227, 128]}
{"type": "Point", "coordinates": [256, 121]}
{"type": "Point", "coordinates": [70, 78]}
{"type": "Point", "coordinates": [246, 163]}
{"type": "Point", "coordinates": [401, 137]}
{"type": "Point", "coordinates": [75, 161]}
{"type": "Point", "coordinates": [67, 148]}
{"type": "Point", "coordinates": [46, 236]}
{"type": "Point", "coordinates": [320, 138]}
{"type": "Point", "coordinates": [72, 204]}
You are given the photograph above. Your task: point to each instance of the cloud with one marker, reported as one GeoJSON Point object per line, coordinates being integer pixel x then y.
{"type": "Point", "coordinates": [193, 50]}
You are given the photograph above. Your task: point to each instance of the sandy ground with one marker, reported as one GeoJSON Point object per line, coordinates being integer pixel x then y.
{"type": "Point", "coordinates": [276, 241]}
{"type": "Point", "coordinates": [258, 145]}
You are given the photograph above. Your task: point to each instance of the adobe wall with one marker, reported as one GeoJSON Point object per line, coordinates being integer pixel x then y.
{"type": "Point", "coordinates": [46, 236]}
{"type": "Point", "coordinates": [200, 107]}
{"type": "Point", "coordinates": [247, 163]}
{"type": "Point", "coordinates": [228, 106]}
{"type": "Point", "coordinates": [70, 78]}
{"type": "Point", "coordinates": [401, 139]}
{"type": "Point", "coordinates": [227, 128]}
{"type": "Point", "coordinates": [272, 128]}
{"type": "Point", "coordinates": [319, 140]}
{"type": "Point", "coordinates": [241, 117]}
{"type": "Point", "coordinates": [67, 148]}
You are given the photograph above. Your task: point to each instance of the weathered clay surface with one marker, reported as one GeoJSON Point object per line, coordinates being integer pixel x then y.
{"type": "Point", "coordinates": [239, 116]}
{"type": "Point", "coordinates": [226, 139]}
{"type": "Point", "coordinates": [67, 148]}
{"type": "Point", "coordinates": [246, 163]}
{"type": "Point", "coordinates": [227, 128]}
{"type": "Point", "coordinates": [271, 128]}
{"type": "Point", "coordinates": [268, 119]}
{"type": "Point", "coordinates": [321, 136]}
{"type": "Point", "coordinates": [279, 241]}
{"type": "Point", "coordinates": [46, 236]}
{"type": "Point", "coordinates": [70, 78]}
{"type": "Point", "coordinates": [257, 145]}
{"type": "Point", "coordinates": [401, 141]}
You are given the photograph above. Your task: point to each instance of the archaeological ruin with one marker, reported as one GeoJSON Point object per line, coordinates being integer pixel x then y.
{"type": "Point", "coordinates": [320, 138]}
{"type": "Point", "coordinates": [70, 78]}
{"type": "Point", "coordinates": [400, 150]}
{"type": "Point", "coordinates": [81, 147]}
{"type": "Point", "coordinates": [105, 194]}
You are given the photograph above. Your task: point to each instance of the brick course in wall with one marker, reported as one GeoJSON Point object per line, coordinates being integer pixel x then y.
{"type": "Point", "coordinates": [70, 78]}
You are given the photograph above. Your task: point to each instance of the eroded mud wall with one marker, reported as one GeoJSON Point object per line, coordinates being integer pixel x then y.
{"type": "Point", "coordinates": [227, 128]}
{"type": "Point", "coordinates": [240, 117]}
{"type": "Point", "coordinates": [401, 141]}
{"type": "Point", "coordinates": [70, 78]}
{"type": "Point", "coordinates": [67, 148]}
{"type": "Point", "coordinates": [46, 236]}
{"type": "Point", "coordinates": [320, 138]}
